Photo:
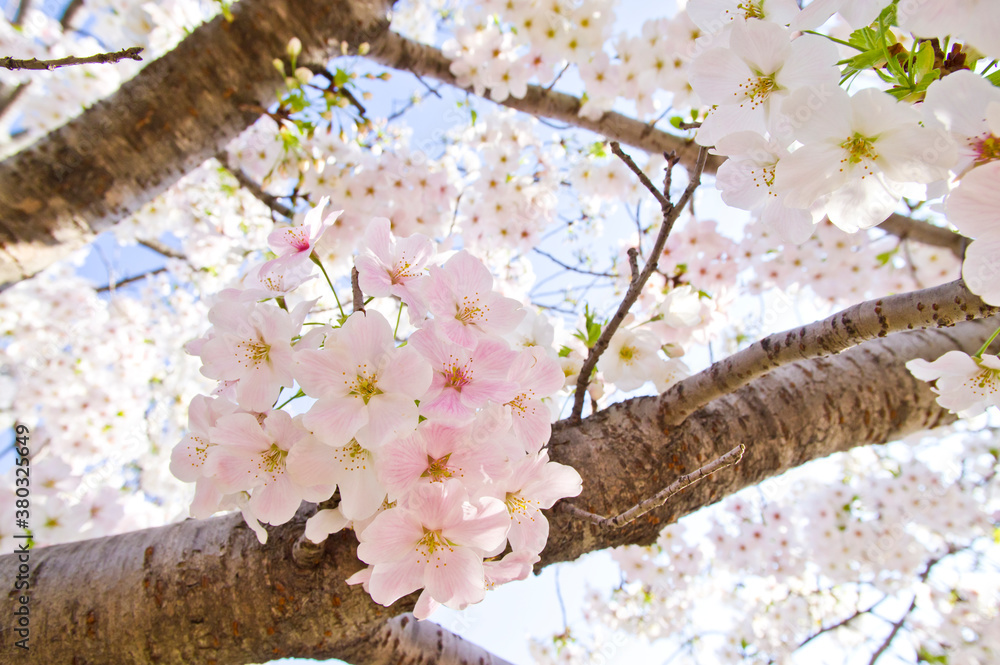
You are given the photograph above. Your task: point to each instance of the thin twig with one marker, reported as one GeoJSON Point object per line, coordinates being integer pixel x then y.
{"type": "Point", "coordinates": [569, 267]}
{"type": "Point", "coordinates": [135, 278]}
{"type": "Point", "coordinates": [359, 298]}
{"type": "Point", "coordinates": [98, 58]}
{"type": "Point", "coordinates": [253, 186]}
{"type": "Point", "coordinates": [641, 175]}
{"type": "Point", "coordinates": [729, 459]}
{"type": "Point", "coordinates": [556, 79]}
{"type": "Point", "coordinates": [160, 248]}
{"type": "Point", "coordinates": [670, 214]}
{"type": "Point", "coordinates": [841, 623]}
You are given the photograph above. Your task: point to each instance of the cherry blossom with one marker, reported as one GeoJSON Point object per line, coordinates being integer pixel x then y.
{"type": "Point", "coordinates": [461, 297]}
{"type": "Point", "coordinates": [747, 81]}
{"type": "Point", "coordinates": [965, 385]}
{"type": "Point", "coordinates": [436, 542]}
{"type": "Point", "coordinates": [860, 152]}
{"type": "Point", "coordinates": [463, 379]}
{"type": "Point", "coordinates": [249, 455]}
{"type": "Point", "coordinates": [251, 344]}
{"type": "Point", "coordinates": [390, 266]}
{"type": "Point", "coordinates": [365, 386]}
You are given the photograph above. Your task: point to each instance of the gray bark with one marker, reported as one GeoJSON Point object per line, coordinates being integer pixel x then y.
{"type": "Point", "coordinates": [208, 592]}
{"type": "Point", "coordinates": [177, 112]}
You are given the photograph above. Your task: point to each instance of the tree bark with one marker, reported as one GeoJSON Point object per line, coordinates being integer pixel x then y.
{"type": "Point", "coordinates": [177, 112]}
{"type": "Point", "coordinates": [207, 592]}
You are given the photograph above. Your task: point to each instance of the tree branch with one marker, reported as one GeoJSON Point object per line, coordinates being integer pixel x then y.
{"type": "Point", "coordinates": [419, 59]}
{"type": "Point", "coordinates": [252, 186]}
{"type": "Point", "coordinates": [131, 53]}
{"type": "Point", "coordinates": [71, 9]}
{"type": "Point", "coordinates": [161, 249]}
{"type": "Point", "coordinates": [207, 590]}
{"type": "Point", "coordinates": [939, 306]}
{"type": "Point", "coordinates": [7, 99]}
{"type": "Point", "coordinates": [729, 459]}
{"type": "Point", "coordinates": [404, 640]}
{"type": "Point", "coordinates": [907, 228]}
{"type": "Point", "coordinates": [181, 109]}
{"type": "Point", "coordinates": [670, 214]}
{"type": "Point", "coordinates": [111, 286]}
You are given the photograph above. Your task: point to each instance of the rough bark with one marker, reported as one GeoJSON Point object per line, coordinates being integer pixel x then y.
{"type": "Point", "coordinates": [938, 306]}
{"type": "Point", "coordinates": [208, 592]}
{"type": "Point", "coordinates": [176, 113]}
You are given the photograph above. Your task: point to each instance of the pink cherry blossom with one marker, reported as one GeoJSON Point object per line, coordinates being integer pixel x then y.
{"type": "Point", "coordinates": [296, 243]}
{"type": "Point", "coordinates": [537, 376]}
{"type": "Point", "coordinates": [536, 484]}
{"type": "Point", "coordinates": [461, 297]}
{"type": "Point", "coordinates": [251, 456]}
{"type": "Point", "coordinates": [365, 386]}
{"type": "Point", "coordinates": [251, 344]}
{"type": "Point", "coordinates": [436, 540]}
{"type": "Point", "coordinates": [351, 467]}
{"type": "Point", "coordinates": [437, 452]}
{"type": "Point", "coordinates": [392, 266]}
{"type": "Point", "coordinates": [463, 379]}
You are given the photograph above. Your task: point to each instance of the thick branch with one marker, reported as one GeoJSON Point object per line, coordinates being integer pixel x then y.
{"type": "Point", "coordinates": [406, 641]}
{"type": "Point", "coordinates": [207, 590]}
{"type": "Point", "coordinates": [98, 58]}
{"type": "Point", "coordinates": [405, 54]}
{"type": "Point", "coordinates": [177, 112]}
{"type": "Point", "coordinates": [938, 306]}
{"type": "Point", "coordinates": [907, 228]}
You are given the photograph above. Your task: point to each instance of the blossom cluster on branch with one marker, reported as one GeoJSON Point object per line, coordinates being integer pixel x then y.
{"type": "Point", "coordinates": [435, 448]}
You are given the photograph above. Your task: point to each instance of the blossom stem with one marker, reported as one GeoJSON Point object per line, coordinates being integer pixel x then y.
{"type": "Point", "coordinates": [986, 345]}
{"type": "Point", "coordinates": [399, 315]}
{"type": "Point", "coordinates": [315, 259]}
{"type": "Point", "coordinates": [295, 396]}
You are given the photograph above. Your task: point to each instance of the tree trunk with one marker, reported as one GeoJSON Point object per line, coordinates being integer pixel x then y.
{"type": "Point", "coordinates": [177, 112]}
{"type": "Point", "coordinates": [207, 592]}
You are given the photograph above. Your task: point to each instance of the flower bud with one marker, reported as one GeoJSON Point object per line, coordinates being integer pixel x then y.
{"type": "Point", "coordinates": [294, 47]}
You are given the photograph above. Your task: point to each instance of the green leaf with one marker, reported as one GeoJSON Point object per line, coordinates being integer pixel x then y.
{"type": "Point", "coordinates": [597, 149]}
{"type": "Point", "coordinates": [994, 78]}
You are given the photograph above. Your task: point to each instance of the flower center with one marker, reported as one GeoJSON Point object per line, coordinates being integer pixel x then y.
{"type": "Point", "coordinates": [516, 503]}
{"type": "Point", "coordinates": [757, 90]}
{"type": "Point", "coordinates": [366, 387]}
{"type": "Point", "coordinates": [627, 354]}
{"type": "Point", "coordinates": [274, 458]}
{"type": "Point", "coordinates": [255, 351]}
{"type": "Point", "coordinates": [986, 382]}
{"type": "Point", "coordinates": [469, 311]}
{"type": "Point", "coordinates": [987, 148]}
{"type": "Point", "coordinates": [859, 149]}
{"type": "Point", "coordinates": [752, 9]}
{"type": "Point", "coordinates": [457, 377]}
{"type": "Point", "coordinates": [432, 541]}
{"type": "Point", "coordinates": [437, 469]}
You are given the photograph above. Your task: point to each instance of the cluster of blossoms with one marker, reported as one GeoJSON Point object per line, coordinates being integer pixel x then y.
{"type": "Point", "coordinates": [797, 559]}
{"type": "Point", "coordinates": [436, 447]}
